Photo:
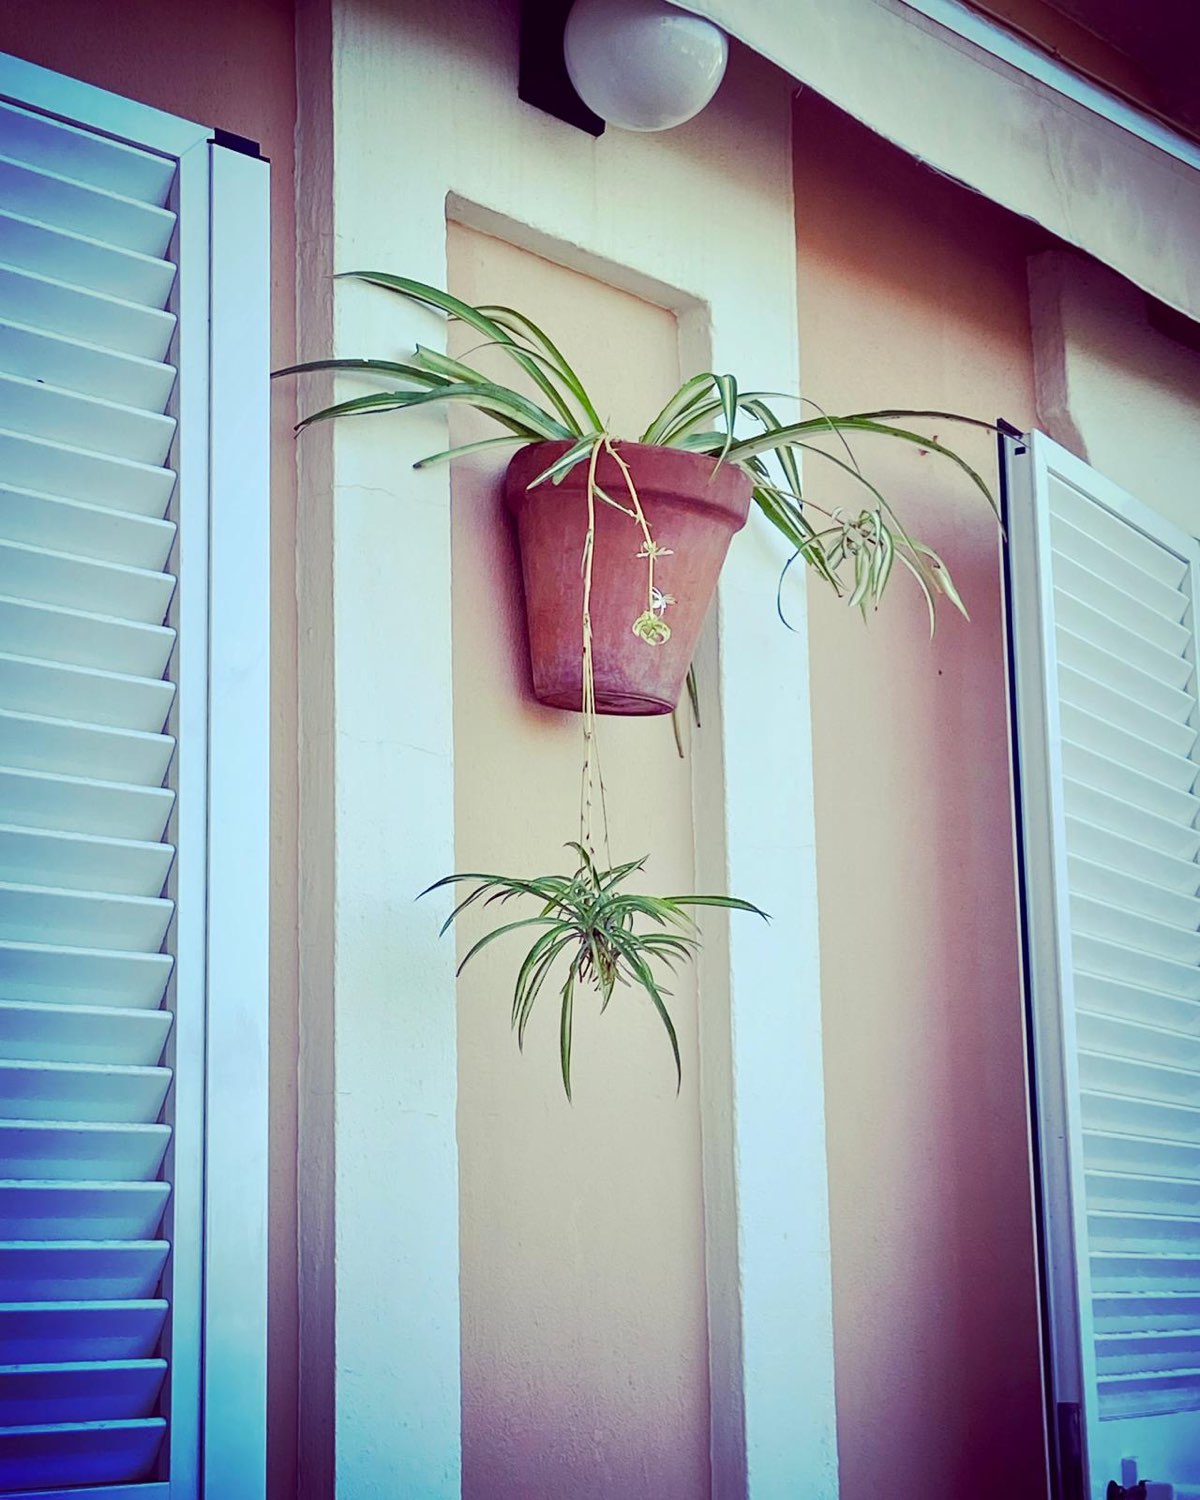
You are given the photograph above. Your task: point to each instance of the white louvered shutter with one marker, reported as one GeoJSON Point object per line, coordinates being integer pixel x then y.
{"type": "Point", "coordinates": [1104, 623]}
{"type": "Point", "coordinates": [102, 930]}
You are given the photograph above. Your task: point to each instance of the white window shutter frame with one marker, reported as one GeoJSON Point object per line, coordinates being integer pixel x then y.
{"type": "Point", "coordinates": [1103, 611]}
{"type": "Point", "coordinates": [215, 1281]}
{"type": "Point", "coordinates": [235, 1369]}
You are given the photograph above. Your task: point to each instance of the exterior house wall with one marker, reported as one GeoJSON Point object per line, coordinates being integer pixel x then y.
{"type": "Point", "coordinates": [230, 64]}
{"type": "Point", "coordinates": [912, 294]}
{"type": "Point", "coordinates": [1114, 388]}
{"type": "Point", "coordinates": [424, 96]}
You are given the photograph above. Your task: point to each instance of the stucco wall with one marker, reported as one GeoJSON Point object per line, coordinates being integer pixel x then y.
{"type": "Point", "coordinates": [912, 294]}
{"type": "Point", "coordinates": [230, 64]}
{"type": "Point", "coordinates": [697, 220]}
{"type": "Point", "coordinates": [1114, 388]}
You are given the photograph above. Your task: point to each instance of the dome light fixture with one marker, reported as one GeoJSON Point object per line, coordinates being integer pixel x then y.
{"type": "Point", "coordinates": [643, 64]}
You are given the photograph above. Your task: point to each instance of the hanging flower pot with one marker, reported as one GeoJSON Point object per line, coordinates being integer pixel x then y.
{"type": "Point", "coordinates": [644, 631]}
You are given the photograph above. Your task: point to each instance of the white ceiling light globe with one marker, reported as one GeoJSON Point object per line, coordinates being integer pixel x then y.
{"type": "Point", "coordinates": [643, 64]}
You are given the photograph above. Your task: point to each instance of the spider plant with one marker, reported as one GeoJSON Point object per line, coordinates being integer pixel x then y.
{"type": "Point", "coordinates": [588, 920]}
{"type": "Point", "coordinates": [606, 935]}
{"type": "Point", "coordinates": [855, 553]}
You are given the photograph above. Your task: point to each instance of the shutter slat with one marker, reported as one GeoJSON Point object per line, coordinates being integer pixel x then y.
{"type": "Point", "coordinates": [91, 317]}
{"type": "Point", "coordinates": [28, 741]}
{"type": "Point", "coordinates": [1111, 997]}
{"type": "Point", "coordinates": [1074, 580]}
{"type": "Point", "coordinates": [100, 1391]}
{"type": "Point", "coordinates": [1138, 1040]}
{"type": "Point", "coordinates": [76, 473]}
{"type": "Point", "coordinates": [1125, 1115]}
{"type": "Point", "coordinates": [1085, 766]}
{"type": "Point", "coordinates": [96, 427]}
{"type": "Point", "coordinates": [83, 862]}
{"type": "Point", "coordinates": [90, 530]}
{"type": "Point", "coordinates": [1114, 532]}
{"type": "Point", "coordinates": [78, 1033]}
{"type": "Point", "coordinates": [82, 1092]}
{"type": "Point", "coordinates": [1114, 1273]}
{"type": "Point", "coordinates": [1115, 567]}
{"type": "Point", "coordinates": [1139, 1078]}
{"type": "Point", "coordinates": [82, 976]}
{"type": "Point", "coordinates": [112, 219]}
{"type": "Point", "coordinates": [1106, 704]}
{"type": "Point", "coordinates": [81, 919]}
{"type": "Point", "coordinates": [1137, 851]}
{"type": "Point", "coordinates": [80, 1151]}
{"type": "Point", "coordinates": [51, 633]}
{"type": "Point", "coordinates": [52, 1332]}
{"type": "Point", "coordinates": [90, 265]}
{"type": "Point", "coordinates": [113, 699]}
{"type": "Point", "coordinates": [1117, 1151]}
{"type": "Point", "coordinates": [1126, 677]}
{"type": "Point", "coordinates": [1149, 1395]}
{"type": "Point", "coordinates": [1171, 668]}
{"type": "Point", "coordinates": [89, 369]}
{"type": "Point", "coordinates": [1142, 1312]}
{"type": "Point", "coordinates": [1119, 888]}
{"type": "Point", "coordinates": [81, 1271]}
{"type": "Point", "coordinates": [1118, 744]}
{"type": "Point", "coordinates": [1142, 1193]}
{"type": "Point", "coordinates": [86, 1453]}
{"type": "Point", "coordinates": [1109, 813]}
{"type": "Point", "coordinates": [1143, 1234]}
{"type": "Point", "coordinates": [85, 156]}
{"type": "Point", "coordinates": [1133, 966]}
{"type": "Point", "coordinates": [1132, 1353]}
{"type": "Point", "coordinates": [80, 583]}
{"type": "Point", "coordinates": [1132, 930]}
{"type": "Point", "coordinates": [37, 799]}
{"type": "Point", "coordinates": [94, 1210]}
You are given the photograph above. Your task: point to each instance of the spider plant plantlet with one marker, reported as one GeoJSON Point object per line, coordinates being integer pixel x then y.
{"type": "Point", "coordinates": [606, 935]}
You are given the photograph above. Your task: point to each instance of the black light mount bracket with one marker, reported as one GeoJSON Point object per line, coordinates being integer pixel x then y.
{"type": "Point", "coordinates": [542, 79]}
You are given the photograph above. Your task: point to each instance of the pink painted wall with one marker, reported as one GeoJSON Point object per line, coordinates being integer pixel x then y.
{"type": "Point", "coordinates": [230, 63]}
{"type": "Point", "coordinates": [913, 293]}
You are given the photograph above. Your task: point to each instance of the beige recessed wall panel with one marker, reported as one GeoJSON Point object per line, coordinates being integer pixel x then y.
{"type": "Point", "coordinates": [584, 1341]}
{"type": "Point", "coordinates": [911, 293]}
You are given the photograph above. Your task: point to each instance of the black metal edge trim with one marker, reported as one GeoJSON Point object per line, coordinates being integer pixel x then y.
{"type": "Point", "coordinates": [242, 144]}
{"type": "Point", "coordinates": [1065, 1461]}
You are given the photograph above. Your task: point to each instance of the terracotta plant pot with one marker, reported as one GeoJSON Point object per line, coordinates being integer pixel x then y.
{"type": "Point", "coordinates": [693, 510]}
